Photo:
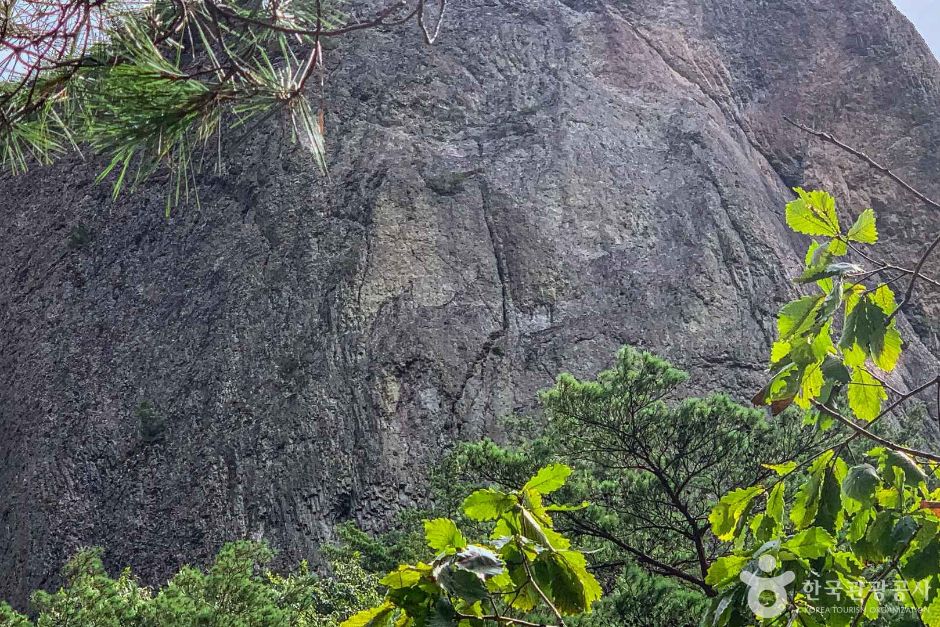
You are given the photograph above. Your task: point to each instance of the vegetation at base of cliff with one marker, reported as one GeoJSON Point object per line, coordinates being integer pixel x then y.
{"type": "Point", "coordinates": [236, 590]}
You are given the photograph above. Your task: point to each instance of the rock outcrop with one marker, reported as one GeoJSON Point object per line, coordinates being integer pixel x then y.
{"type": "Point", "coordinates": [553, 179]}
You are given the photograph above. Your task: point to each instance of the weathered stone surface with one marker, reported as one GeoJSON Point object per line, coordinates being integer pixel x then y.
{"type": "Point", "coordinates": [552, 180]}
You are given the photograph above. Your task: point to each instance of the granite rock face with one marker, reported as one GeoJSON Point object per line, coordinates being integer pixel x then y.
{"type": "Point", "coordinates": [553, 179]}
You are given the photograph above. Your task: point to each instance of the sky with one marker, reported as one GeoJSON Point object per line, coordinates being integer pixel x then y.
{"type": "Point", "coordinates": [926, 17]}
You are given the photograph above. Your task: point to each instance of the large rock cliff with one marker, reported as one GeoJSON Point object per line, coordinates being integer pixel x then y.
{"type": "Point", "coordinates": [553, 179]}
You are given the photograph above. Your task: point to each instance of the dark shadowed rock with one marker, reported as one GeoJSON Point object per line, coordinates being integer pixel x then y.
{"type": "Point", "coordinates": [552, 180]}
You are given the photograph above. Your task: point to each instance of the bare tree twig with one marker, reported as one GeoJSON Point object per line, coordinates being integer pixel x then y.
{"type": "Point", "coordinates": [861, 155]}
{"type": "Point", "coordinates": [538, 590]}
{"type": "Point", "coordinates": [649, 562]}
{"type": "Point", "coordinates": [883, 265]}
{"type": "Point", "coordinates": [874, 437]}
{"type": "Point", "coordinates": [917, 269]}
{"type": "Point", "coordinates": [903, 398]}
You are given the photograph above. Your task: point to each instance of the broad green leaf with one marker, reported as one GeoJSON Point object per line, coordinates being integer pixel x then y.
{"type": "Point", "coordinates": [762, 527]}
{"type": "Point", "coordinates": [931, 613]}
{"type": "Point", "coordinates": [534, 530]}
{"type": "Point", "coordinates": [859, 525]}
{"type": "Point", "coordinates": [852, 296]}
{"type": "Point", "coordinates": [837, 247]}
{"type": "Point", "coordinates": [406, 576]}
{"type": "Point", "coordinates": [488, 504]}
{"type": "Point", "coordinates": [727, 513]}
{"type": "Point", "coordinates": [834, 369]}
{"type": "Point", "coordinates": [877, 543]}
{"type": "Point", "coordinates": [780, 390]}
{"type": "Point", "coordinates": [778, 351]}
{"type": "Point", "coordinates": [721, 609]}
{"type": "Point", "coordinates": [769, 524]}
{"type": "Point", "coordinates": [442, 534]}
{"type": "Point", "coordinates": [865, 326]}
{"type": "Point", "coordinates": [847, 562]}
{"type": "Point", "coordinates": [814, 254]}
{"type": "Point", "coordinates": [870, 599]}
{"type": "Point", "coordinates": [725, 570]}
{"type": "Point", "coordinates": [822, 346]}
{"type": "Point", "coordinates": [798, 316]}
{"type": "Point", "coordinates": [913, 474]}
{"type": "Point", "coordinates": [853, 357]}
{"type": "Point", "coordinates": [442, 614]}
{"type": "Point", "coordinates": [813, 213]}
{"type": "Point", "coordinates": [811, 543]}
{"type": "Point", "coordinates": [564, 576]}
{"type": "Point", "coordinates": [818, 255]}
{"type": "Point", "coordinates": [781, 469]}
{"type": "Point", "coordinates": [806, 502]}
{"type": "Point", "coordinates": [883, 297]}
{"type": "Point", "coordinates": [774, 508]}
{"type": "Point", "coordinates": [859, 485]}
{"type": "Point", "coordinates": [500, 583]}
{"type": "Point", "coordinates": [887, 359]}
{"type": "Point", "coordinates": [864, 230]}
{"type": "Point", "coordinates": [922, 562]}
{"type": "Point", "coordinates": [548, 479]}
{"type": "Point", "coordinates": [865, 394]}
{"type": "Point", "coordinates": [524, 596]}
{"type": "Point", "coordinates": [372, 617]}
{"type": "Point", "coordinates": [830, 515]}
{"type": "Point", "coordinates": [810, 387]}
{"type": "Point", "coordinates": [903, 532]}
{"type": "Point", "coordinates": [461, 583]}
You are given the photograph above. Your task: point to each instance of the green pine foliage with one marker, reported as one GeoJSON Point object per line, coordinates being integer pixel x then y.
{"type": "Point", "coordinates": [649, 464]}
{"type": "Point", "coordinates": [162, 83]}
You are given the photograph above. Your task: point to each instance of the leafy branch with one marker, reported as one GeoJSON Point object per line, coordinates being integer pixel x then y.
{"type": "Point", "coordinates": [916, 272]}
{"type": "Point", "coordinates": [525, 566]}
{"type": "Point", "coordinates": [851, 523]}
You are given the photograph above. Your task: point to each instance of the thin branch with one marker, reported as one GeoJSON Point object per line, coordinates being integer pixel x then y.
{"type": "Point", "coordinates": [883, 265]}
{"type": "Point", "coordinates": [496, 618]}
{"type": "Point", "coordinates": [875, 438]}
{"type": "Point", "coordinates": [871, 162]}
{"type": "Point", "coordinates": [917, 269]}
{"type": "Point", "coordinates": [538, 590]}
{"type": "Point", "coordinates": [904, 397]}
{"type": "Point", "coordinates": [647, 561]}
